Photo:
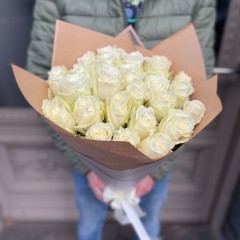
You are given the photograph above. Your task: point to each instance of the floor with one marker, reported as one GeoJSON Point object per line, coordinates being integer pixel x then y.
{"type": "Point", "coordinates": [112, 231]}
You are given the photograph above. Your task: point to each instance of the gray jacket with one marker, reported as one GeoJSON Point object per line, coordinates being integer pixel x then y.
{"type": "Point", "coordinates": [158, 20]}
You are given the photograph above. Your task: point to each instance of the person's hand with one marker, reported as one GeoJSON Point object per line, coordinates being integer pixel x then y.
{"type": "Point", "coordinates": [144, 186]}
{"type": "Point", "coordinates": [96, 184]}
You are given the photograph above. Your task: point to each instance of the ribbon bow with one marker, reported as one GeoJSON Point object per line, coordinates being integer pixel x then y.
{"type": "Point", "coordinates": [126, 209]}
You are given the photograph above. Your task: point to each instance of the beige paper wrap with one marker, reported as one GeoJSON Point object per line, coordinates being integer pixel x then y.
{"type": "Point", "coordinates": [119, 163]}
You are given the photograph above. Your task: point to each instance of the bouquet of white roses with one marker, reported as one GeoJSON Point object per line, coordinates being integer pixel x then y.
{"type": "Point", "coordinates": [123, 108]}
{"type": "Point", "coordinates": [114, 95]}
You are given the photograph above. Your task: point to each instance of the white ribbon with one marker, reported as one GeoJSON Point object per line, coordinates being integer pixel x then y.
{"type": "Point", "coordinates": [126, 209]}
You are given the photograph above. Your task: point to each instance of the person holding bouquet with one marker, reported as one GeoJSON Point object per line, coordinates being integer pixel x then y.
{"type": "Point", "coordinates": [154, 20]}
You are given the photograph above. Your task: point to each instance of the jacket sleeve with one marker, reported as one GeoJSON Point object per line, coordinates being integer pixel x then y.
{"type": "Point", "coordinates": [39, 63]}
{"type": "Point", "coordinates": [203, 19]}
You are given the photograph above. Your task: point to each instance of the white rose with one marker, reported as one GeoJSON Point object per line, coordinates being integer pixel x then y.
{"type": "Point", "coordinates": [70, 87]}
{"type": "Point", "coordinates": [182, 85]}
{"type": "Point", "coordinates": [77, 83]}
{"type": "Point", "coordinates": [156, 146]}
{"type": "Point", "coordinates": [128, 68]}
{"type": "Point", "coordinates": [161, 102]}
{"type": "Point", "coordinates": [58, 111]}
{"type": "Point", "coordinates": [87, 58]}
{"type": "Point", "coordinates": [130, 74]}
{"type": "Point", "coordinates": [87, 111]}
{"type": "Point", "coordinates": [129, 77]}
{"type": "Point", "coordinates": [117, 109]}
{"type": "Point", "coordinates": [105, 50]}
{"type": "Point", "coordinates": [127, 135]}
{"type": "Point", "coordinates": [157, 65]}
{"type": "Point", "coordinates": [134, 58]}
{"type": "Point", "coordinates": [78, 68]}
{"type": "Point", "coordinates": [84, 63]}
{"type": "Point", "coordinates": [137, 93]}
{"type": "Point", "coordinates": [108, 80]}
{"type": "Point", "coordinates": [100, 131]}
{"type": "Point", "coordinates": [157, 83]}
{"type": "Point", "coordinates": [144, 122]}
{"type": "Point", "coordinates": [57, 73]}
{"type": "Point", "coordinates": [196, 109]}
{"type": "Point", "coordinates": [177, 125]}
{"type": "Point", "coordinates": [110, 55]}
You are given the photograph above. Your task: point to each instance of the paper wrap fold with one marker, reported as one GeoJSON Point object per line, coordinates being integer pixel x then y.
{"type": "Point", "coordinates": [119, 163]}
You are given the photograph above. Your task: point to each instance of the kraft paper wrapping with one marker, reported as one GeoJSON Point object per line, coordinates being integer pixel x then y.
{"type": "Point", "coordinates": [119, 163]}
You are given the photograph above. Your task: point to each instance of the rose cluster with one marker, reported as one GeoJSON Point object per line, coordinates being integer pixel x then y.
{"type": "Point", "coordinates": [112, 95]}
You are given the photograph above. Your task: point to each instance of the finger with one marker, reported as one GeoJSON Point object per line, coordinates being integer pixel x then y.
{"type": "Point", "coordinates": [97, 178]}
{"type": "Point", "coordinates": [101, 186]}
{"type": "Point", "coordinates": [139, 192]}
{"type": "Point", "coordinates": [94, 182]}
{"type": "Point", "coordinates": [100, 183]}
{"type": "Point", "coordinates": [98, 194]}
